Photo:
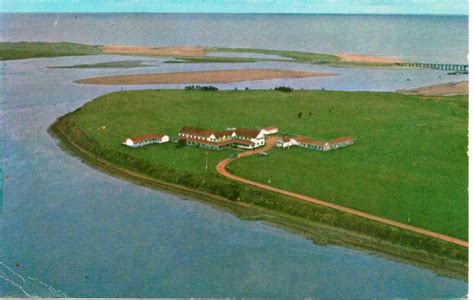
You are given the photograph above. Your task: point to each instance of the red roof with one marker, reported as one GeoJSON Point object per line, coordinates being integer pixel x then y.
{"type": "Point", "coordinates": [203, 132]}
{"type": "Point", "coordinates": [271, 128]}
{"type": "Point", "coordinates": [151, 136]}
{"type": "Point", "coordinates": [221, 143]}
{"type": "Point", "coordinates": [243, 142]}
{"type": "Point", "coordinates": [341, 140]}
{"type": "Point", "coordinates": [305, 140]}
{"type": "Point", "coordinates": [247, 132]}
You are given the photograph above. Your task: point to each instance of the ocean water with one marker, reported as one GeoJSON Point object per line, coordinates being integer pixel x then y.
{"type": "Point", "coordinates": [69, 230]}
{"type": "Point", "coordinates": [440, 39]}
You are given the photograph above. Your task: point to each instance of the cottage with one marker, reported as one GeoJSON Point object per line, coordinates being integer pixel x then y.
{"type": "Point", "coordinates": [286, 142]}
{"type": "Point", "coordinates": [311, 144]}
{"type": "Point", "coordinates": [146, 139]}
{"type": "Point", "coordinates": [341, 142]}
{"type": "Point", "coordinates": [270, 130]}
{"type": "Point", "coordinates": [305, 142]}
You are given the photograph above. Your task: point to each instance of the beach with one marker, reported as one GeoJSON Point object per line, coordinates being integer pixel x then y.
{"type": "Point", "coordinates": [363, 58]}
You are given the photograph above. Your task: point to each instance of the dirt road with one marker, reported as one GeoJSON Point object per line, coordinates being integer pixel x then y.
{"type": "Point", "coordinates": [271, 141]}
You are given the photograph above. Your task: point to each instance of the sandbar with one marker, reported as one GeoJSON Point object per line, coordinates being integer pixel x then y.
{"type": "Point", "coordinates": [363, 58]}
{"type": "Point", "coordinates": [213, 76]}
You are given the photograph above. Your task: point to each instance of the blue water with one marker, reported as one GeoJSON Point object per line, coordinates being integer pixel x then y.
{"type": "Point", "coordinates": [441, 39]}
{"type": "Point", "coordinates": [70, 230]}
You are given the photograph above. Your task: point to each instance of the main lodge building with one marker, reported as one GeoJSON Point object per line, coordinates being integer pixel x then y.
{"type": "Point", "coordinates": [244, 138]}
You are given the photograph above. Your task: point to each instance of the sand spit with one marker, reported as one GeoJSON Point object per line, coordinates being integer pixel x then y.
{"type": "Point", "coordinates": [192, 51]}
{"type": "Point", "coordinates": [217, 76]}
{"type": "Point", "coordinates": [362, 58]}
{"type": "Point", "coordinates": [443, 89]}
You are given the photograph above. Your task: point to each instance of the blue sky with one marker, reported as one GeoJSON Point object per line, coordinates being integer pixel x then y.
{"type": "Point", "coordinates": [456, 7]}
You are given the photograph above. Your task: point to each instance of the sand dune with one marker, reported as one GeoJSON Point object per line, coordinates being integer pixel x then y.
{"type": "Point", "coordinates": [217, 76]}
{"type": "Point", "coordinates": [362, 58]}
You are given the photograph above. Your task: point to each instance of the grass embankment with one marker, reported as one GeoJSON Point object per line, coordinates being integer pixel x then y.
{"type": "Point", "coordinates": [442, 89]}
{"type": "Point", "coordinates": [393, 132]}
{"type": "Point", "coordinates": [113, 64]}
{"type": "Point", "coordinates": [22, 50]}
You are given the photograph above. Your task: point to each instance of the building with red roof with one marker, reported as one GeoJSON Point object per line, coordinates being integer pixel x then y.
{"type": "Point", "coordinates": [245, 138]}
{"type": "Point", "coordinates": [309, 143]}
{"type": "Point", "coordinates": [152, 138]}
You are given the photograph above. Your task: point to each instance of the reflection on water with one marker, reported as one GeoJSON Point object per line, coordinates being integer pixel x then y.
{"type": "Point", "coordinates": [69, 229]}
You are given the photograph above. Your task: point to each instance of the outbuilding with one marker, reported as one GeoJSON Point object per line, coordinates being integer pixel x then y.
{"type": "Point", "coordinates": [146, 139]}
{"type": "Point", "coordinates": [270, 130]}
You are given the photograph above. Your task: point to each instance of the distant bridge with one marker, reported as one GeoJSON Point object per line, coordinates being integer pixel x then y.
{"type": "Point", "coordinates": [448, 67]}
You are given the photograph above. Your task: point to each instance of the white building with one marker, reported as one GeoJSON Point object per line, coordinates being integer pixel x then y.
{"type": "Point", "coordinates": [309, 143]}
{"type": "Point", "coordinates": [286, 142]}
{"type": "Point", "coordinates": [146, 139]}
{"type": "Point", "coordinates": [217, 140]}
{"type": "Point", "coordinates": [249, 138]}
{"type": "Point", "coordinates": [270, 130]}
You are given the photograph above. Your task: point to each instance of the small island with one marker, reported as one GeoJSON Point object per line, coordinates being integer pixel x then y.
{"type": "Point", "coordinates": [213, 76]}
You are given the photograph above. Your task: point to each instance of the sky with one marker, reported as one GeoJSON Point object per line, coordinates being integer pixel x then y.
{"type": "Point", "coordinates": [439, 7]}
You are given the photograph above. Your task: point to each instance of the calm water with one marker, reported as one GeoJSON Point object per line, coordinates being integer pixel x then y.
{"type": "Point", "coordinates": [421, 38]}
{"type": "Point", "coordinates": [67, 229]}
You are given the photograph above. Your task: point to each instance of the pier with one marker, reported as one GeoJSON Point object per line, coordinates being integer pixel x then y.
{"type": "Point", "coordinates": [447, 67]}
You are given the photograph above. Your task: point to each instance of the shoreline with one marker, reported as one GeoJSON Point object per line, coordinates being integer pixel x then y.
{"type": "Point", "coordinates": [441, 89]}
{"type": "Point", "coordinates": [319, 233]}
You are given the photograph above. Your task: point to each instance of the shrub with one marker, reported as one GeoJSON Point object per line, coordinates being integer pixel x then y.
{"type": "Point", "coordinates": [201, 88]}
{"type": "Point", "coordinates": [285, 89]}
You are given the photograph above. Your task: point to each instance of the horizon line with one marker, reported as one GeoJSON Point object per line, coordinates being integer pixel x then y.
{"type": "Point", "coordinates": [231, 13]}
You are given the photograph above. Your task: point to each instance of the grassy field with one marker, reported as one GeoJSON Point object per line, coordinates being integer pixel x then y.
{"type": "Point", "coordinates": [23, 50]}
{"type": "Point", "coordinates": [113, 64]}
{"type": "Point", "coordinates": [409, 162]}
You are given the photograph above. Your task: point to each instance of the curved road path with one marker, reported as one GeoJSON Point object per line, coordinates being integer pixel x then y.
{"type": "Point", "coordinates": [271, 141]}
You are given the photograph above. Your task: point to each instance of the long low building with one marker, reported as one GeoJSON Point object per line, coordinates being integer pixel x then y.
{"type": "Point", "coordinates": [305, 142]}
{"type": "Point", "coordinates": [217, 140]}
{"type": "Point", "coordinates": [146, 139]}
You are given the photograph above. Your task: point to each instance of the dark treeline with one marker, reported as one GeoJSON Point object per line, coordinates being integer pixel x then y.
{"type": "Point", "coordinates": [201, 88]}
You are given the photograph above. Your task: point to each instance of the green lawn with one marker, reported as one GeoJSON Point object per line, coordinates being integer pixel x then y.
{"type": "Point", "coordinates": [21, 50]}
{"type": "Point", "coordinates": [408, 164]}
